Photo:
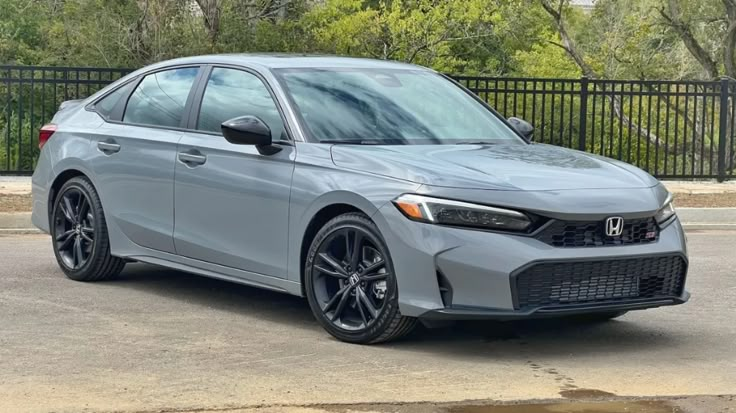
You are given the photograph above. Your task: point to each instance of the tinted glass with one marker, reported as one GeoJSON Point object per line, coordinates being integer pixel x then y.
{"type": "Point", "coordinates": [390, 107]}
{"type": "Point", "coordinates": [231, 93]}
{"type": "Point", "coordinates": [160, 98]}
{"type": "Point", "coordinates": [106, 105]}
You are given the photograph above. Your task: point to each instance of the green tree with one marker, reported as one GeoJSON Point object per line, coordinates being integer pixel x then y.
{"type": "Point", "coordinates": [22, 37]}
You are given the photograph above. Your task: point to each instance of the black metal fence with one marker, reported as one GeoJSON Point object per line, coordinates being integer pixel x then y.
{"type": "Point", "coordinates": [673, 129]}
{"type": "Point", "coordinates": [31, 96]}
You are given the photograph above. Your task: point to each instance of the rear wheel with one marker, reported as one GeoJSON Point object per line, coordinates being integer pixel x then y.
{"type": "Point", "coordinates": [351, 284]}
{"type": "Point", "coordinates": [79, 233]}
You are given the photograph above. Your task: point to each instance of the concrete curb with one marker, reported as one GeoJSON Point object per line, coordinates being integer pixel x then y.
{"type": "Point", "coordinates": [13, 220]}
{"type": "Point", "coordinates": [17, 223]}
{"type": "Point", "coordinates": [708, 227]}
{"type": "Point", "coordinates": [21, 185]}
{"type": "Point", "coordinates": [20, 231]}
{"type": "Point", "coordinates": [691, 218]}
{"type": "Point", "coordinates": [707, 218]}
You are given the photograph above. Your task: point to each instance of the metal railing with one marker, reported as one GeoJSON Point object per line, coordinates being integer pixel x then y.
{"type": "Point", "coordinates": [31, 96]}
{"type": "Point", "coordinates": [672, 129]}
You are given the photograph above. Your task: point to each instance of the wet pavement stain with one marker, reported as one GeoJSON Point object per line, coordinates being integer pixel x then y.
{"type": "Point", "coordinates": [585, 394]}
{"type": "Point", "coordinates": [640, 406]}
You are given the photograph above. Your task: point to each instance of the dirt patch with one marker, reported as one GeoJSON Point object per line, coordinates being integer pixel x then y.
{"type": "Point", "coordinates": [705, 404]}
{"type": "Point", "coordinates": [706, 200]}
{"type": "Point", "coordinates": [15, 203]}
{"type": "Point", "coordinates": [583, 407]}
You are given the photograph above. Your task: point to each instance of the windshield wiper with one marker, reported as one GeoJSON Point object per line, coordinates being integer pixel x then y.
{"type": "Point", "coordinates": [475, 143]}
{"type": "Point", "coordinates": [358, 142]}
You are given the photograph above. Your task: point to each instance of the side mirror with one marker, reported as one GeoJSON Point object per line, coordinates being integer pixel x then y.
{"type": "Point", "coordinates": [524, 128]}
{"type": "Point", "coordinates": [247, 130]}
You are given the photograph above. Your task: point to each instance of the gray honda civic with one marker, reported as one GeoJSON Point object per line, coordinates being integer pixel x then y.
{"type": "Point", "coordinates": [384, 193]}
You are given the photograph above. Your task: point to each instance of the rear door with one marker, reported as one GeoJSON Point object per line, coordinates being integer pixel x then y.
{"type": "Point", "coordinates": [136, 152]}
{"type": "Point", "coordinates": [232, 201]}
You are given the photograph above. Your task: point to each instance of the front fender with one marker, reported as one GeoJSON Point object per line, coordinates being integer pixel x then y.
{"type": "Point", "coordinates": [318, 183]}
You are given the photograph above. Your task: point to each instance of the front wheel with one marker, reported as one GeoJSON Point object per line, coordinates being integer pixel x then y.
{"type": "Point", "coordinates": [351, 284]}
{"type": "Point", "coordinates": [79, 233]}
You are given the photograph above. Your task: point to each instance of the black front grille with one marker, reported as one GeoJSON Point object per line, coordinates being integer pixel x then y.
{"type": "Point", "coordinates": [608, 281]}
{"type": "Point", "coordinates": [592, 234]}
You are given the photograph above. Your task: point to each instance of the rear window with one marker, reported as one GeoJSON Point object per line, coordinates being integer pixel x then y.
{"type": "Point", "coordinates": [160, 98]}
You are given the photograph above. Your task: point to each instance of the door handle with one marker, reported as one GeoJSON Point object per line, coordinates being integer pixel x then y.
{"type": "Point", "coordinates": [108, 148]}
{"type": "Point", "coordinates": [192, 158]}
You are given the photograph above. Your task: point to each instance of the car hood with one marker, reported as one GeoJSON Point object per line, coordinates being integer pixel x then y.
{"type": "Point", "coordinates": [500, 167]}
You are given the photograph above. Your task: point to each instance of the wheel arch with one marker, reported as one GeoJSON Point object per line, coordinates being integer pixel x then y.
{"type": "Point", "coordinates": [317, 221]}
{"type": "Point", "coordinates": [306, 222]}
{"type": "Point", "coordinates": [386, 327]}
{"type": "Point", "coordinates": [58, 182]}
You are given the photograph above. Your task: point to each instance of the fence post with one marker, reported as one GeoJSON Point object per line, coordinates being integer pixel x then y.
{"type": "Point", "coordinates": [723, 128]}
{"type": "Point", "coordinates": [583, 132]}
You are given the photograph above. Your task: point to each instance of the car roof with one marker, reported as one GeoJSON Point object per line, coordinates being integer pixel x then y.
{"type": "Point", "coordinates": [283, 61]}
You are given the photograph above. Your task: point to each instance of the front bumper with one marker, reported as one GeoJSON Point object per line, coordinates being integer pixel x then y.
{"type": "Point", "coordinates": [478, 269]}
{"type": "Point", "coordinates": [460, 313]}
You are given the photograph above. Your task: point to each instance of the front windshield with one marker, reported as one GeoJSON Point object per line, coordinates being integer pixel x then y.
{"type": "Point", "coordinates": [391, 107]}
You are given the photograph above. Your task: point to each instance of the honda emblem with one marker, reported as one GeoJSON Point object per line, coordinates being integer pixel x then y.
{"type": "Point", "coordinates": [614, 226]}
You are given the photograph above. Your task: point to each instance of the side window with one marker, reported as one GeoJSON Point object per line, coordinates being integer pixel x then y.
{"type": "Point", "coordinates": [231, 93]}
{"type": "Point", "coordinates": [160, 98]}
{"type": "Point", "coordinates": [107, 105]}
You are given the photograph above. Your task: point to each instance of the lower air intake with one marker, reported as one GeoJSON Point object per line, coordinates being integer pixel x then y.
{"type": "Point", "coordinates": [560, 284]}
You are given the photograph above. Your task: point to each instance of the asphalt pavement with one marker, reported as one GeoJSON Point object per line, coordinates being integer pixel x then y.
{"type": "Point", "coordinates": [161, 340]}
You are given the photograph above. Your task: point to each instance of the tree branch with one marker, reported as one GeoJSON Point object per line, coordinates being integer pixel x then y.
{"type": "Point", "coordinates": [683, 30]}
{"type": "Point", "coordinates": [569, 46]}
{"type": "Point", "coordinates": [567, 42]}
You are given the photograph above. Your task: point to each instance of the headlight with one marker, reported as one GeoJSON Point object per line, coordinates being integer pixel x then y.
{"type": "Point", "coordinates": [666, 212]}
{"type": "Point", "coordinates": [456, 213]}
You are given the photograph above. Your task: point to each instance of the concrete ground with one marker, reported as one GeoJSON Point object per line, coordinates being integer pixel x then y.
{"type": "Point", "coordinates": [160, 340]}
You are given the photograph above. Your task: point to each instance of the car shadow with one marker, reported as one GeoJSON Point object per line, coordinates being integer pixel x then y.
{"type": "Point", "coordinates": [217, 294]}
{"type": "Point", "coordinates": [512, 340]}
{"type": "Point", "coordinates": [540, 340]}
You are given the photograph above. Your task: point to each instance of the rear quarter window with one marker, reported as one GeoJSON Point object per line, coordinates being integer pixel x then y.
{"type": "Point", "coordinates": [106, 106]}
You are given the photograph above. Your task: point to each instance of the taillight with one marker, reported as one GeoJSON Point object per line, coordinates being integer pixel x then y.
{"type": "Point", "coordinates": [44, 134]}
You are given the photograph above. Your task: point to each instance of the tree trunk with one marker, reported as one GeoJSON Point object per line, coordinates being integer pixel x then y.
{"type": "Point", "coordinates": [674, 19]}
{"type": "Point", "coordinates": [281, 11]}
{"type": "Point", "coordinates": [568, 44]}
{"type": "Point", "coordinates": [729, 45]}
{"type": "Point", "coordinates": [211, 15]}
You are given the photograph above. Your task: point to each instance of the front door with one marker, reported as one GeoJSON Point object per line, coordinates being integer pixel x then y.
{"type": "Point", "coordinates": [232, 201]}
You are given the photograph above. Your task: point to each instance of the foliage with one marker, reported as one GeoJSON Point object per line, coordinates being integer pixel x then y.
{"type": "Point", "coordinates": [618, 39]}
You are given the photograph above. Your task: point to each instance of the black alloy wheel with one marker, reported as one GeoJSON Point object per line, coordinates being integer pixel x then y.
{"type": "Point", "coordinates": [351, 286]}
{"type": "Point", "coordinates": [79, 233]}
{"type": "Point", "coordinates": [74, 228]}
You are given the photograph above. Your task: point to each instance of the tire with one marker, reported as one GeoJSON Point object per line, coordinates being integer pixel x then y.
{"type": "Point", "coordinates": [354, 298]}
{"type": "Point", "coordinates": [79, 233]}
